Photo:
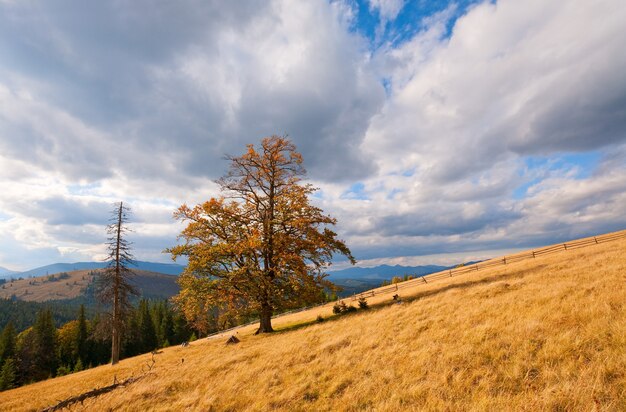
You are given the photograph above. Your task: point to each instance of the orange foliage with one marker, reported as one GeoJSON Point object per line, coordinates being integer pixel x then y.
{"type": "Point", "coordinates": [261, 247]}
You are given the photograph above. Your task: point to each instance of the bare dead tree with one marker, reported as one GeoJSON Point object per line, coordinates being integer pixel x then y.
{"type": "Point", "coordinates": [114, 284]}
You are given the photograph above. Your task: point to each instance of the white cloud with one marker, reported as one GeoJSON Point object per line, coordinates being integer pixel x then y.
{"type": "Point", "coordinates": [387, 9]}
{"type": "Point", "coordinates": [139, 104]}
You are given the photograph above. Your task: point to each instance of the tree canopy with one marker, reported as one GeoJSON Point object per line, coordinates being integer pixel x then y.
{"type": "Point", "coordinates": [261, 246]}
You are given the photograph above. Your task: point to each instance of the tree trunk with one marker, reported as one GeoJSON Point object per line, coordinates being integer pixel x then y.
{"type": "Point", "coordinates": [265, 320]}
{"type": "Point", "coordinates": [116, 338]}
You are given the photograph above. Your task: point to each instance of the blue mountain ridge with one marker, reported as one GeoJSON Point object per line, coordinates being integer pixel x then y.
{"type": "Point", "coordinates": [371, 274]}
{"type": "Point", "coordinates": [166, 268]}
{"type": "Point", "coordinates": [4, 272]}
{"type": "Point", "coordinates": [383, 272]}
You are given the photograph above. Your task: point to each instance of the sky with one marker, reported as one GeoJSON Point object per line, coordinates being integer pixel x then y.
{"type": "Point", "coordinates": [435, 131]}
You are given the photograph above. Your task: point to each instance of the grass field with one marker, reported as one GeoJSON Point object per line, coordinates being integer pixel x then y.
{"type": "Point", "coordinates": [40, 289]}
{"type": "Point", "coordinates": [541, 334]}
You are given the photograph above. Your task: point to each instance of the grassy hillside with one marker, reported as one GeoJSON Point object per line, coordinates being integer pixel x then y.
{"type": "Point", "coordinates": [539, 334]}
{"type": "Point", "coordinates": [76, 283]}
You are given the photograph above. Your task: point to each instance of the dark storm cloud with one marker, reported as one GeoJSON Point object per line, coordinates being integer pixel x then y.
{"type": "Point", "coordinates": [184, 82]}
{"type": "Point", "coordinates": [67, 211]}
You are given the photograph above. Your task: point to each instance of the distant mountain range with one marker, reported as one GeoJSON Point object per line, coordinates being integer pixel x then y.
{"type": "Point", "coordinates": [381, 272]}
{"type": "Point", "coordinates": [165, 268]}
{"type": "Point", "coordinates": [356, 280]}
{"type": "Point", "coordinates": [384, 272]}
{"type": "Point", "coordinates": [351, 280]}
{"type": "Point", "coordinates": [4, 272]}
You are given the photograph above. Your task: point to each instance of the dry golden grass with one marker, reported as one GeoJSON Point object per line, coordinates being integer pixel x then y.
{"type": "Point", "coordinates": [37, 289]}
{"type": "Point", "coordinates": [541, 334]}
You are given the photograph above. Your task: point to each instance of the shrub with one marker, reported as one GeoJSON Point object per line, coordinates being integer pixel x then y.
{"type": "Point", "coordinates": [320, 318]}
{"type": "Point", "coordinates": [350, 309]}
{"type": "Point", "coordinates": [64, 370]}
{"type": "Point", "coordinates": [339, 307]}
{"type": "Point", "coordinates": [363, 303]}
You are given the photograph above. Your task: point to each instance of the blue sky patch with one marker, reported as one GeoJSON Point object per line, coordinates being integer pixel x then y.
{"type": "Point", "coordinates": [356, 191]}
{"type": "Point", "coordinates": [408, 22]}
{"type": "Point", "coordinates": [584, 164]}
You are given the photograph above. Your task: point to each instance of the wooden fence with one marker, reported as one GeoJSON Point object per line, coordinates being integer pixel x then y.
{"type": "Point", "coordinates": [561, 247]}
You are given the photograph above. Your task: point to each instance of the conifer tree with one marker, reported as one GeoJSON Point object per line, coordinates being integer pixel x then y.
{"type": "Point", "coordinates": [81, 336]}
{"type": "Point", "coordinates": [146, 326]}
{"type": "Point", "coordinates": [45, 345]}
{"type": "Point", "coordinates": [7, 343]}
{"type": "Point", "coordinates": [167, 329]}
{"type": "Point", "coordinates": [8, 374]}
{"type": "Point", "coordinates": [114, 283]}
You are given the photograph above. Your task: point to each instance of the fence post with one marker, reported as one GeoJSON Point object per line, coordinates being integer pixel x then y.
{"type": "Point", "coordinates": [533, 254]}
{"type": "Point", "coordinates": [565, 246]}
{"type": "Point", "coordinates": [594, 238]}
{"type": "Point", "coordinates": [476, 266]}
{"type": "Point", "coordinates": [450, 272]}
{"type": "Point", "coordinates": [504, 260]}
{"type": "Point", "coordinates": [424, 279]}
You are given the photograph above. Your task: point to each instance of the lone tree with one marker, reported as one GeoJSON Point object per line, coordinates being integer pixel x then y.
{"type": "Point", "coordinates": [114, 286]}
{"type": "Point", "coordinates": [261, 246]}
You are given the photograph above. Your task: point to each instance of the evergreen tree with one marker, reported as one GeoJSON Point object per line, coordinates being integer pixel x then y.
{"type": "Point", "coordinates": [26, 356]}
{"type": "Point", "coordinates": [158, 313]}
{"type": "Point", "coordinates": [98, 344]}
{"type": "Point", "coordinates": [132, 337]}
{"type": "Point", "coordinates": [7, 343]}
{"type": "Point", "coordinates": [167, 328]}
{"type": "Point", "coordinates": [146, 327]}
{"type": "Point", "coordinates": [78, 366]}
{"type": "Point", "coordinates": [8, 374]}
{"type": "Point", "coordinates": [81, 336]}
{"type": "Point", "coordinates": [45, 335]}
{"type": "Point", "coordinates": [181, 329]}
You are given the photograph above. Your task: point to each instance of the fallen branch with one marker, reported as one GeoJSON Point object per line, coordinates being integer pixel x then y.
{"type": "Point", "coordinates": [91, 394]}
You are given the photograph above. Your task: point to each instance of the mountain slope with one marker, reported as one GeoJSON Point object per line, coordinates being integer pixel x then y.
{"type": "Point", "coordinates": [6, 273]}
{"type": "Point", "coordinates": [75, 284]}
{"type": "Point", "coordinates": [539, 334]}
{"type": "Point", "coordinates": [166, 268]}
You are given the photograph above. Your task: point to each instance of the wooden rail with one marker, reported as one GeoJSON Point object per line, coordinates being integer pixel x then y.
{"type": "Point", "coordinates": [504, 260]}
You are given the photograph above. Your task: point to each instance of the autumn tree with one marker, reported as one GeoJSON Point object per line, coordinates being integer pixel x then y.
{"type": "Point", "coordinates": [114, 283]}
{"type": "Point", "coordinates": [261, 246]}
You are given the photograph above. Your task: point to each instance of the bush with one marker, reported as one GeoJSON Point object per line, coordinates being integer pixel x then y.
{"type": "Point", "coordinates": [363, 303]}
{"type": "Point", "coordinates": [350, 309]}
{"type": "Point", "coordinates": [320, 318]}
{"type": "Point", "coordinates": [64, 370]}
{"type": "Point", "coordinates": [339, 307]}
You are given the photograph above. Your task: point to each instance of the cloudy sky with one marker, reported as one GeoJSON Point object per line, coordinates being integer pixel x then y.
{"type": "Point", "coordinates": [436, 131]}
